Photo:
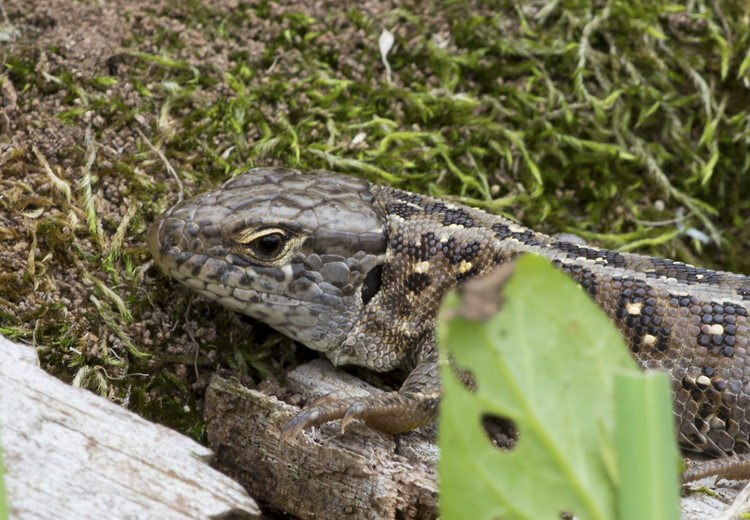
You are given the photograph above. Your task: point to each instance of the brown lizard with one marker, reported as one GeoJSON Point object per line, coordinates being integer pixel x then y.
{"type": "Point", "coordinates": [358, 271]}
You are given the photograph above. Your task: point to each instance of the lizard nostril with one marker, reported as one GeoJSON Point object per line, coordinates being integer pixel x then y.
{"type": "Point", "coordinates": [173, 241]}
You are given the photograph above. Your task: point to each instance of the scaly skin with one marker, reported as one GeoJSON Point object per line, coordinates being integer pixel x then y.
{"type": "Point", "coordinates": [361, 269]}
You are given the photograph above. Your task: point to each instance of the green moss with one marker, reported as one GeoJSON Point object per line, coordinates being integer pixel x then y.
{"type": "Point", "coordinates": [155, 400]}
{"type": "Point", "coordinates": [578, 116]}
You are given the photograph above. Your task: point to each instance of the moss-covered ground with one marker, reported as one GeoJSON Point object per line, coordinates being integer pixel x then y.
{"type": "Point", "coordinates": [624, 122]}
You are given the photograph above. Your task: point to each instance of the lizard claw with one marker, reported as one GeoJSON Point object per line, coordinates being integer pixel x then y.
{"type": "Point", "coordinates": [356, 411]}
{"type": "Point", "coordinates": [295, 425]}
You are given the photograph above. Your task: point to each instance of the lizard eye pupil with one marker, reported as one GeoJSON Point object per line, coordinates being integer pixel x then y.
{"type": "Point", "coordinates": [269, 245]}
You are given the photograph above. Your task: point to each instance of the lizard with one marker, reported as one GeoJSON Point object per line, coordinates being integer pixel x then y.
{"type": "Point", "coordinates": [358, 271]}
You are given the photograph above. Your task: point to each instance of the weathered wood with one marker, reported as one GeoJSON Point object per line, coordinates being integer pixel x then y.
{"type": "Point", "coordinates": [363, 474]}
{"type": "Point", "coordinates": [70, 454]}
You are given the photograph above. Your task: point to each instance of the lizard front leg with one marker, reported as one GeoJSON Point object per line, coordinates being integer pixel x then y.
{"type": "Point", "coordinates": [414, 405]}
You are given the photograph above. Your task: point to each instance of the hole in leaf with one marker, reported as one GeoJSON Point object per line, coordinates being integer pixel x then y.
{"type": "Point", "coordinates": [502, 432]}
{"type": "Point", "coordinates": [463, 375]}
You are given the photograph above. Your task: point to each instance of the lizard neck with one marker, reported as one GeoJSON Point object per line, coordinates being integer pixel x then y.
{"type": "Point", "coordinates": [432, 246]}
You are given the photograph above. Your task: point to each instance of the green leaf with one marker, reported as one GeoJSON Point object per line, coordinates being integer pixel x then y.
{"type": "Point", "coordinates": [646, 452]}
{"type": "Point", "coordinates": [547, 362]}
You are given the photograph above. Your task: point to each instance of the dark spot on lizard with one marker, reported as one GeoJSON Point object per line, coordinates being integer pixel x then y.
{"type": "Point", "coordinates": [274, 272]}
{"type": "Point", "coordinates": [458, 216]}
{"type": "Point", "coordinates": [182, 258]}
{"type": "Point", "coordinates": [502, 231]}
{"type": "Point", "coordinates": [637, 318]}
{"type": "Point", "coordinates": [405, 196]}
{"type": "Point", "coordinates": [371, 284]}
{"type": "Point", "coordinates": [582, 275]}
{"type": "Point", "coordinates": [417, 282]}
{"type": "Point", "coordinates": [402, 209]}
{"type": "Point", "coordinates": [214, 269]}
{"type": "Point", "coordinates": [430, 246]}
{"type": "Point", "coordinates": [528, 237]}
{"type": "Point", "coordinates": [612, 258]}
{"type": "Point", "coordinates": [452, 249]}
{"type": "Point", "coordinates": [460, 277]}
{"type": "Point", "coordinates": [245, 281]}
{"type": "Point", "coordinates": [589, 281]}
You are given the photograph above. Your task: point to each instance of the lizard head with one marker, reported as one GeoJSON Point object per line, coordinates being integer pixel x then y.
{"type": "Point", "coordinates": [301, 252]}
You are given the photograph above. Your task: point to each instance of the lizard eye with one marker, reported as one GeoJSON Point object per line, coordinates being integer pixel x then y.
{"type": "Point", "coordinates": [268, 245]}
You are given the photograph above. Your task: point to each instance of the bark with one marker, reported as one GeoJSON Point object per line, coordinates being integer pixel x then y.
{"type": "Point", "coordinates": [364, 474]}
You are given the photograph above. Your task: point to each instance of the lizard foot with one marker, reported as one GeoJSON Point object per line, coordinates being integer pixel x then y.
{"type": "Point", "coordinates": [392, 412]}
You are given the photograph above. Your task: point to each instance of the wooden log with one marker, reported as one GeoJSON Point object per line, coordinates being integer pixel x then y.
{"type": "Point", "coordinates": [364, 474]}
{"type": "Point", "coordinates": [70, 454]}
